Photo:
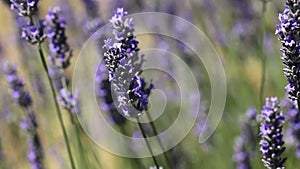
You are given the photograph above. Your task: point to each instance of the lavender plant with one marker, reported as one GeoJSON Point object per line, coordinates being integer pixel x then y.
{"type": "Point", "coordinates": [59, 59]}
{"type": "Point", "coordinates": [34, 34]}
{"type": "Point", "coordinates": [29, 124]}
{"type": "Point", "coordinates": [245, 143]}
{"type": "Point", "coordinates": [288, 32]}
{"type": "Point", "coordinates": [124, 67]}
{"type": "Point", "coordinates": [121, 59]}
{"type": "Point", "coordinates": [272, 144]}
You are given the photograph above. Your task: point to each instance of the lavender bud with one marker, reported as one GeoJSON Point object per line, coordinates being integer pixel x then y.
{"type": "Point", "coordinates": [55, 30]}
{"type": "Point", "coordinates": [24, 7]}
{"type": "Point", "coordinates": [271, 134]}
{"type": "Point", "coordinates": [288, 32]}
{"type": "Point", "coordinates": [17, 85]}
{"type": "Point", "coordinates": [68, 101]}
{"type": "Point", "coordinates": [33, 34]}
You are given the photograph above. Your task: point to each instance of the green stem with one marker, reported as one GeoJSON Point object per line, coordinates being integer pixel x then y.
{"type": "Point", "coordinates": [147, 143]}
{"type": "Point", "coordinates": [59, 114]}
{"type": "Point", "coordinates": [83, 162]}
{"type": "Point", "coordinates": [159, 141]}
{"type": "Point", "coordinates": [263, 58]}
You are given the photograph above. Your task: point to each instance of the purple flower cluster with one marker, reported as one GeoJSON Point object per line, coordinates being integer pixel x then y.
{"type": "Point", "coordinates": [241, 156]}
{"type": "Point", "coordinates": [32, 33]}
{"type": "Point", "coordinates": [25, 7]}
{"type": "Point", "coordinates": [35, 152]}
{"type": "Point", "coordinates": [271, 134]}
{"type": "Point", "coordinates": [245, 142]}
{"type": "Point", "coordinates": [69, 101]}
{"type": "Point", "coordinates": [293, 132]}
{"type": "Point", "coordinates": [55, 26]}
{"type": "Point", "coordinates": [124, 66]}
{"type": "Point", "coordinates": [289, 35]}
{"type": "Point", "coordinates": [17, 85]}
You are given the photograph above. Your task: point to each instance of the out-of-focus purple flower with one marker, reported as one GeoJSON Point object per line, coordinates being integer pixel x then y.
{"type": "Point", "coordinates": [55, 26]}
{"type": "Point", "coordinates": [68, 101]}
{"type": "Point", "coordinates": [93, 22]}
{"type": "Point", "coordinates": [32, 33]}
{"type": "Point", "coordinates": [288, 32]}
{"type": "Point", "coordinates": [272, 144]}
{"type": "Point", "coordinates": [245, 143]}
{"type": "Point", "coordinates": [17, 85]}
{"type": "Point", "coordinates": [92, 26]}
{"type": "Point", "coordinates": [241, 156]}
{"type": "Point", "coordinates": [1, 152]}
{"type": "Point", "coordinates": [121, 58]}
{"type": "Point", "coordinates": [29, 123]}
{"type": "Point", "coordinates": [25, 7]}
{"type": "Point", "coordinates": [293, 117]}
{"type": "Point", "coordinates": [91, 7]}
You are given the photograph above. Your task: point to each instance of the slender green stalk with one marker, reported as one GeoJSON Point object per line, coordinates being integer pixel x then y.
{"type": "Point", "coordinates": [263, 58]}
{"type": "Point", "coordinates": [159, 141]}
{"type": "Point", "coordinates": [147, 142]}
{"type": "Point", "coordinates": [83, 162]}
{"type": "Point", "coordinates": [58, 111]}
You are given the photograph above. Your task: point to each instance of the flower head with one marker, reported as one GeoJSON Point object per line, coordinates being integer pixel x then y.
{"type": "Point", "coordinates": [55, 30]}
{"type": "Point", "coordinates": [124, 66]}
{"type": "Point", "coordinates": [289, 35]}
{"type": "Point", "coordinates": [24, 7]}
{"type": "Point", "coordinates": [271, 134]}
{"type": "Point", "coordinates": [17, 85]}
{"type": "Point", "coordinates": [33, 34]}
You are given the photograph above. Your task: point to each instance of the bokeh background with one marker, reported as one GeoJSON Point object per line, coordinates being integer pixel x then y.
{"type": "Point", "coordinates": [241, 34]}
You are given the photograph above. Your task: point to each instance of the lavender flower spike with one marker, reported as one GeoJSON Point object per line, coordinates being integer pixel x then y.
{"type": "Point", "coordinates": [33, 34]}
{"type": "Point", "coordinates": [271, 135]}
{"type": "Point", "coordinates": [124, 66]}
{"type": "Point", "coordinates": [25, 7]}
{"type": "Point", "coordinates": [55, 29]}
{"type": "Point", "coordinates": [288, 32]}
{"type": "Point", "coordinates": [35, 150]}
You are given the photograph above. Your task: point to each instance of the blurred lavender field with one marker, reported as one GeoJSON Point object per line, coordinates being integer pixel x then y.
{"type": "Point", "coordinates": [41, 117]}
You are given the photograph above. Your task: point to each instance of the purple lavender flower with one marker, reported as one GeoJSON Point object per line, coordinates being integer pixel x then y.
{"type": "Point", "coordinates": [33, 34]}
{"type": "Point", "coordinates": [245, 143]}
{"type": "Point", "coordinates": [17, 85]}
{"type": "Point", "coordinates": [69, 101]}
{"type": "Point", "coordinates": [121, 58]}
{"type": "Point", "coordinates": [35, 151]}
{"type": "Point", "coordinates": [271, 134]}
{"type": "Point", "coordinates": [241, 156]}
{"type": "Point", "coordinates": [288, 32]}
{"type": "Point", "coordinates": [293, 117]}
{"type": "Point", "coordinates": [25, 7]}
{"type": "Point", "coordinates": [55, 30]}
